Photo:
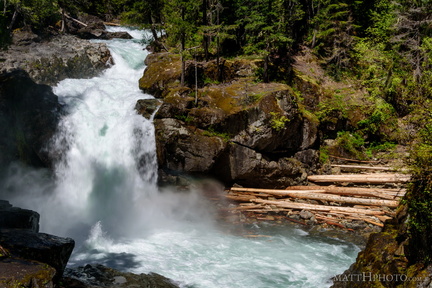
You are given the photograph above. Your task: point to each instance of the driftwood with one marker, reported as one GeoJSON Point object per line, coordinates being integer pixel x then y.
{"type": "Point", "coordinates": [309, 194]}
{"type": "Point", "coordinates": [374, 178]}
{"type": "Point", "coordinates": [367, 220]}
{"type": "Point", "coordinates": [276, 191]}
{"type": "Point", "coordinates": [349, 200]}
{"type": "Point", "coordinates": [364, 167]}
{"type": "Point", "coordinates": [304, 206]}
{"type": "Point", "coordinates": [353, 191]}
{"type": "Point", "coordinates": [111, 24]}
{"type": "Point", "coordinates": [75, 20]}
{"type": "Point", "coordinates": [353, 160]}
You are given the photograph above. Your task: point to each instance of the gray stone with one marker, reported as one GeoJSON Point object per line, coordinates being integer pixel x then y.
{"type": "Point", "coordinates": [48, 62]}
{"type": "Point", "coordinates": [146, 107]}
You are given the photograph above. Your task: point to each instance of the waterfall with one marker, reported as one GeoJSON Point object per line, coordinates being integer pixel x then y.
{"type": "Point", "coordinates": [104, 197]}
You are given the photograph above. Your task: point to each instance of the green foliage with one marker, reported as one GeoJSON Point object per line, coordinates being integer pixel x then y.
{"type": "Point", "coordinates": [277, 121]}
{"type": "Point", "coordinates": [211, 132]}
{"type": "Point", "coordinates": [185, 118]}
{"type": "Point", "coordinates": [332, 108]}
{"type": "Point", "coordinates": [380, 115]}
{"type": "Point", "coordinates": [351, 143]}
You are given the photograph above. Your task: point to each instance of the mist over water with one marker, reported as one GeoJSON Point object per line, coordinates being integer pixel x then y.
{"type": "Point", "coordinates": [104, 194]}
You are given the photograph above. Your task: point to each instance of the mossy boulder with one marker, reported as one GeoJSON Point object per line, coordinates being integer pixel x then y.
{"type": "Point", "coordinates": [162, 71]}
{"type": "Point", "coordinates": [52, 250]}
{"type": "Point", "coordinates": [17, 273]}
{"type": "Point", "coordinates": [237, 130]}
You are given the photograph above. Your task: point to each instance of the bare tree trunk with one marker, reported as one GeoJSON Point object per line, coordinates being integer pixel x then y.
{"type": "Point", "coordinates": [196, 81]}
{"type": "Point", "coordinates": [12, 21]}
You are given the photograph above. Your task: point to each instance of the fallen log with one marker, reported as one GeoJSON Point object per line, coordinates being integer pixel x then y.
{"type": "Point", "coordinates": [352, 191]}
{"type": "Point", "coordinates": [374, 178]}
{"type": "Point", "coordinates": [363, 167]}
{"type": "Point", "coordinates": [314, 207]}
{"type": "Point", "coordinates": [75, 20]}
{"type": "Point", "coordinates": [349, 200]}
{"type": "Point", "coordinates": [111, 24]}
{"type": "Point", "coordinates": [367, 220]}
{"type": "Point", "coordinates": [240, 198]}
{"type": "Point", "coordinates": [274, 191]}
{"type": "Point", "coordinates": [353, 160]}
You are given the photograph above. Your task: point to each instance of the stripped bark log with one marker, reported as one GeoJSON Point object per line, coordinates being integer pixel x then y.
{"type": "Point", "coordinates": [364, 167]}
{"type": "Point", "coordinates": [374, 178]}
{"type": "Point", "coordinates": [305, 194]}
{"type": "Point", "coordinates": [75, 20]}
{"type": "Point", "coordinates": [352, 191]}
{"type": "Point", "coordinates": [300, 206]}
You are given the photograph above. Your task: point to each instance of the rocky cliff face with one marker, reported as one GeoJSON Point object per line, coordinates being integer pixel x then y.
{"type": "Point", "coordinates": [29, 114]}
{"type": "Point", "coordinates": [29, 258]}
{"type": "Point", "coordinates": [50, 61]}
{"type": "Point", "coordinates": [231, 127]}
{"type": "Point", "coordinates": [400, 255]}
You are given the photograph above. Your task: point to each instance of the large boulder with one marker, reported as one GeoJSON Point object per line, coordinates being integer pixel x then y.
{"type": "Point", "coordinates": [49, 249]}
{"type": "Point", "coordinates": [17, 218]}
{"type": "Point", "coordinates": [48, 62]}
{"type": "Point", "coordinates": [29, 114]}
{"type": "Point", "coordinates": [28, 254]}
{"type": "Point", "coordinates": [92, 276]}
{"type": "Point", "coordinates": [25, 273]}
{"type": "Point", "coordinates": [239, 131]}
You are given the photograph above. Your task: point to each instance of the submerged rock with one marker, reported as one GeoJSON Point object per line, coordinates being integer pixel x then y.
{"type": "Point", "coordinates": [93, 276]}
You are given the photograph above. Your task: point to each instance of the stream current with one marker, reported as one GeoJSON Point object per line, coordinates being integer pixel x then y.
{"type": "Point", "coordinates": [111, 205]}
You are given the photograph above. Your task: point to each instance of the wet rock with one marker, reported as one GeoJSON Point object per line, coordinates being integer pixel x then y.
{"type": "Point", "coordinates": [52, 250]}
{"type": "Point", "coordinates": [146, 107]}
{"type": "Point", "coordinates": [97, 31]}
{"type": "Point", "coordinates": [101, 276]}
{"type": "Point", "coordinates": [29, 114]}
{"type": "Point", "coordinates": [17, 218]}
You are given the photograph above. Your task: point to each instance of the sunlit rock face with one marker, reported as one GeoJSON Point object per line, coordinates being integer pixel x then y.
{"type": "Point", "coordinates": [48, 62]}
{"type": "Point", "coordinates": [229, 126]}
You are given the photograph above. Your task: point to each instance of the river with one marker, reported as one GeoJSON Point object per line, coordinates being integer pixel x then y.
{"type": "Point", "coordinates": [110, 203]}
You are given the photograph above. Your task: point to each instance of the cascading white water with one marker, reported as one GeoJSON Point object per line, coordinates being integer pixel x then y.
{"type": "Point", "coordinates": [115, 211]}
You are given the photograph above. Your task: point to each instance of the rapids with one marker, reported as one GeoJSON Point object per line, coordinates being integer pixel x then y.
{"type": "Point", "coordinates": [104, 194]}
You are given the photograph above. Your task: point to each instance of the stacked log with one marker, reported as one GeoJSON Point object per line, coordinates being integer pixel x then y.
{"type": "Point", "coordinates": [335, 206]}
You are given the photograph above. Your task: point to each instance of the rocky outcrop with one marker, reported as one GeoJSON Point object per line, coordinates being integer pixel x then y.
{"type": "Point", "coordinates": [14, 217]}
{"type": "Point", "coordinates": [29, 115]}
{"type": "Point", "coordinates": [146, 107]}
{"type": "Point", "coordinates": [29, 258]}
{"type": "Point", "coordinates": [92, 276]}
{"type": "Point", "coordinates": [238, 131]}
{"type": "Point", "coordinates": [400, 255]}
{"type": "Point", "coordinates": [49, 61]}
